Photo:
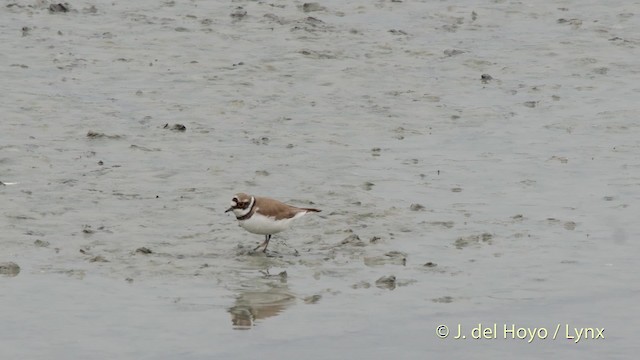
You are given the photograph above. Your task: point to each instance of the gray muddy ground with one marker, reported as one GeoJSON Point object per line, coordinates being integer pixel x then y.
{"type": "Point", "coordinates": [476, 163]}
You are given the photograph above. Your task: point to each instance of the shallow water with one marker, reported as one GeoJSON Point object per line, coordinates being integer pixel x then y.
{"type": "Point", "coordinates": [520, 190]}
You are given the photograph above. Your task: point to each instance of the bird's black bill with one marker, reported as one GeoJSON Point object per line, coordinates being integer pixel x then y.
{"type": "Point", "coordinates": [229, 209]}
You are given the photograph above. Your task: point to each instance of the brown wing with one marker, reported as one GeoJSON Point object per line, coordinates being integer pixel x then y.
{"type": "Point", "coordinates": [279, 209]}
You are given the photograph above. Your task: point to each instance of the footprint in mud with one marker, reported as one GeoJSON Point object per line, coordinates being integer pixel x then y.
{"type": "Point", "coordinates": [443, 299]}
{"type": "Point", "coordinates": [473, 240]}
{"type": "Point", "coordinates": [569, 225]}
{"type": "Point", "coordinates": [9, 269]}
{"type": "Point", "coordinates": [392, 257]}
{"type": "Point", "coordinates": [386, 282]}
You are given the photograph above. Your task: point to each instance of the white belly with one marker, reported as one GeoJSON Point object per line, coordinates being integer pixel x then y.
{"type": "Point", "coordinates": [260, 224]}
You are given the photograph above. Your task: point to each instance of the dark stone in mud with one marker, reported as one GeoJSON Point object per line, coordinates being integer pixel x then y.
{"type": "Point", "coordinates": [261, 141]}
{"type": "Point", "coordinates": [9, 268]}
{"type": "Point", "coordinates": [444, 299]}
{"type": "Point", "coordinates": [361, 285]}
{"type": "Point", "coordinates": [41, 243]}
{"type": "Point", "coordinates": [90, 10]}
{"type": "Point", "coordinates": [386, 282]}
{"type": "Point", "coordinates": [398, 32]}
{"type": "Point", "coordinates": [391, 257]}
{"type": "Point", "coordinates": [59, 7]}
{"type": "Point", "coordinates": [353, 240]}
{"type": "Point", "coordinates": [98, 258]}
{"type": "Point", "coordinates": [416, 207]}
{"type": "Point", "coordinates": [175, 127]}
{"type": "Point", "coordinates": [144, 250]}
{"type": "Point", "coordinates": [368, 185]}
{"type": "Point", "coordinates": [98, 135]}
{"type": "Point", "coordinates": [375, 239]}
{"type": "Point", "coordinates": [486, 78]}
{"type": "Point", "coordinates": [476, 240]}
{"type": "Point", "coordinates": [453, 52]}
{"type": "Point", "coordinates": [312, 299]}
{"type": "Point", "coordinates": [239, 13]}
{"type": "Point", "coordinates": [309, 7]}
{"type": "Point", "coordinates": [281, 275]}
{"type": "Point", "coordinates": [430, 264]}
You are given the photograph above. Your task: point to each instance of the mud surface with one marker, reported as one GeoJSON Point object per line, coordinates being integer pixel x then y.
{"type": "Point", "coordinates": [475, 163]}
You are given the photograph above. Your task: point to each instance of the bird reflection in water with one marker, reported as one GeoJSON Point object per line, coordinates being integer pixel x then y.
{"type": "Point", "coordinates": [251, 306]}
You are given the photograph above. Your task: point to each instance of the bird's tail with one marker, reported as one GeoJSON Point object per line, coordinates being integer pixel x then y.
{"type": "Point", "coordinates": [311, 210]}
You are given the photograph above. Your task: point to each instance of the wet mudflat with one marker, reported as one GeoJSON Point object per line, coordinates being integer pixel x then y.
{"type": "Point", "coordinates": [475, 164]}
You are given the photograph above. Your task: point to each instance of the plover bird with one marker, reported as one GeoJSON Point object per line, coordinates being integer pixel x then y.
{"type": "Point", "coordinates": [264, 216]}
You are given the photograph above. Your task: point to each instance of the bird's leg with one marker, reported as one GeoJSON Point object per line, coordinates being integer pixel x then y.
{"type": "Point", "coordinates": [266, 242]}
{"type": "Point", "coordinates": [262, 244]}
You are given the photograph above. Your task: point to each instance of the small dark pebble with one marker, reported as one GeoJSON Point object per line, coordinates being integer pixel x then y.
{"type": "Point", "coordinates": [312, 299]}
{"type": "Point", "coordinates": [443, 299]}
{"type": "Point", "coordinates": [59, 7]}
{"type": "Point", "coordinates": [41, 243]}
{"type": "Point", "coordinates": [175, 127]}
{"type": "Point", "coordinates": [260, 141]}
{"type": "Point", "coordinates": [416, 207]}
{"type": "Point", "coordinates": [375, 239]}
{"type": "Point", "coordinates": [93, 134]}
{"type": "Point", "coordinates": [398, 32]}
{"type": "Point", "coordinates": [386, 282]}
{"type": "Point", "coordinates": [453, 52]}
{"type": "Point", "coordinates": [430, 264]}
{"type": "Point", "coordinates": [98, 258]}
{"type": "Point", "coordinates": [309, 7]}
{"type": "Point", "coordinates": [100, 162]}
{"type": "Point", "coordinates": [368, 185]}
{"type": "Point", "coordinates": [486, 78]}
{"type": "Point", "coordinates": [239, 13]}
{"type": "Point", "coordinates": [353, 240]}
{"type": "Point", "coordinates": [144, 250]}
{"type": "Point", "coordinates": [98, 135]}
